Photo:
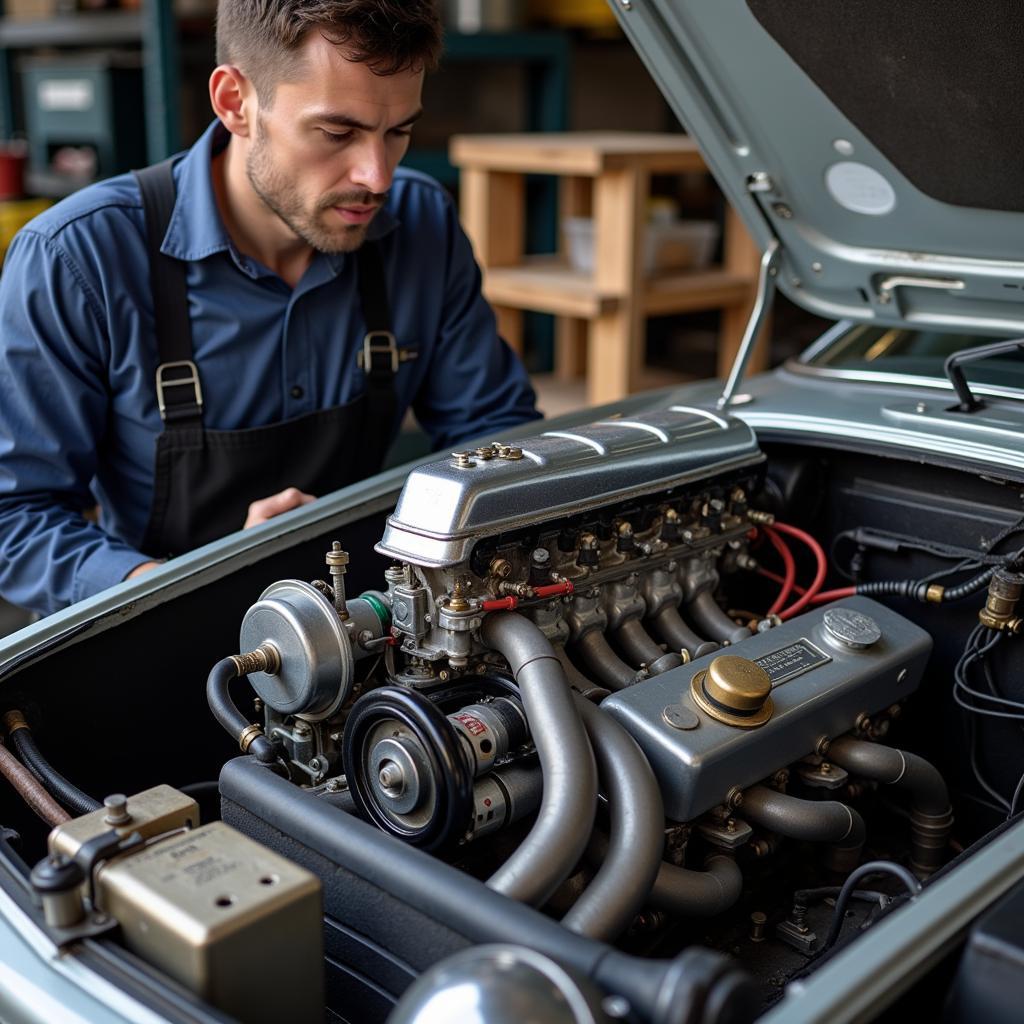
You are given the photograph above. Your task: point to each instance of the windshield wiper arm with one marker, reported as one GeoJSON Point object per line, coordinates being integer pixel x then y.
{"type": "Point", "coordinates": [954, 370]}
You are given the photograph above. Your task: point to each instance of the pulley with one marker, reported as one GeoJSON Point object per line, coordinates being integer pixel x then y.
{"type": "Point", "coordinates": [407, 768]}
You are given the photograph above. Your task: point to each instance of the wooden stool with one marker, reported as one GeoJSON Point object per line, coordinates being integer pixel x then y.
{"type": "Point", "coordinates": [602, 314]}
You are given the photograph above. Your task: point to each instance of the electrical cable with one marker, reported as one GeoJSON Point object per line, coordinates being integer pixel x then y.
{"type": "Point", "coordinates": [789, 564]}
{"type": "Point", "coordinates": [819, 576]}
{"type": "Point", "coordinates": [875, 867]}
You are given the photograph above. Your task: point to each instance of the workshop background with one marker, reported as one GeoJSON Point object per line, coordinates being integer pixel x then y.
{"type": "Point", "coordinates": [609, 254]}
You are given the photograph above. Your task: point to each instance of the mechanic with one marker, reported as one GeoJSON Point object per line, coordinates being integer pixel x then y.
{"type": "Point", "coordinates": [252, 333]}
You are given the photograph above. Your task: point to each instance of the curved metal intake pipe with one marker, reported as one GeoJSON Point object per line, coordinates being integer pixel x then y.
{"type": "Point", "coordinates": [624, 879]}
{"type": "Point", "coordinates": [547, 856]}
{"type": "Point", "coordinates": [639, 646]}
{"type": "Point", "coordinates": [683, 891]}
{"type": "Point", "coordinates": [712, 621]}
{"type": "Point", "coordinates": [931, 814]}
{"type": "Point", "coordinates": [817, 821]}
{"type": "Point", "coordinates": [704, 893]}
{"type": "Point", "coordinates": [582, 684]}
{"type": "Point", "coordinates": [609, 668]}
{"type": "Point", "coordinates": [677, 633]}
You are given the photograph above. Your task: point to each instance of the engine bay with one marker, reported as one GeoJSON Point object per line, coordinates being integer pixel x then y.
{"type": "Point", "coordinates": [683, 711]}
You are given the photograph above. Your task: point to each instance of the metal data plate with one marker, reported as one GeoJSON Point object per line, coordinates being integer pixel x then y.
{"type": "Point", "coordinates": [445, 507]}
{"type": "Point", "coordinates": [819, 687]}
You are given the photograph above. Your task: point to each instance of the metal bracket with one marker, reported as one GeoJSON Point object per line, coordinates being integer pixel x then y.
{"type": "Point", "coordinates": [191, 380]}
{"type": "Point", "coordinates": [383, 343]}
{"type": "Point", "coordinates": [762, 307]}
{"type": "Point", "coordinates": [888, 285]}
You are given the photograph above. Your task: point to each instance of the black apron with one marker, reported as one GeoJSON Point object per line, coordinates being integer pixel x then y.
{"type": "Point", "coordinates": [205, 480]}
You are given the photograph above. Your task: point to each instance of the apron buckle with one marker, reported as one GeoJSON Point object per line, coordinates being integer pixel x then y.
{"type": "Point", "coordinates": [379, 344]}
{"type": "Point", "coordinates": [191, 379]}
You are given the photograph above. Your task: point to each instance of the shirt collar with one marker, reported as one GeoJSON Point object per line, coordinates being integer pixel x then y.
{"type": "Point", "coordinates": [196, 231]}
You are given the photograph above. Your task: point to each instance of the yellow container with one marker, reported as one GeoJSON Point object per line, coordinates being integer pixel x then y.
{"type": "Point", "coordinates": [14, 215]}
{"type": "Point", "coordinates": [593, 14]}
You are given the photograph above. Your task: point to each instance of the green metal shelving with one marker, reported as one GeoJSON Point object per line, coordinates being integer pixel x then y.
{"type": "Point", "coordinates": [152, 27]}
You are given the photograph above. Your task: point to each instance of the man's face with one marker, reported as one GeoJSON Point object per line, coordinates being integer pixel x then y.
{"type": "Point", "coordinates": [323, 156]}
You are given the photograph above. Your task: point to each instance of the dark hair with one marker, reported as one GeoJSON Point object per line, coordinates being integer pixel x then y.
{"type": "Point", "coordinates": [263, 37]}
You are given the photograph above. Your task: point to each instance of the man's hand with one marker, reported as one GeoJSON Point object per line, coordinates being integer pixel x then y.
{"type": "Point", "coordinates": [140, 569]}
{"type": "Point", "coordinates": [266, 508]}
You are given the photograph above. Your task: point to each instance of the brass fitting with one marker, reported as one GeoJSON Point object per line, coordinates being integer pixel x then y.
{"type": "Point", "coordinates": [13, 721]}
{"type": "Point", "coordinates": [248, 735]}
{"type": "Point", "coordinates": [760, 518]}
{"type": "Point", "coordinates": [500, 568]}
{"type": "Point", "coordinates": [1004, 591]}
{"type": "Point", "coordinates": [457, 602]}
{"type": "Point", "coordinates": [934, 593]}
{"type": "Point", "coordinates": [265, 658]}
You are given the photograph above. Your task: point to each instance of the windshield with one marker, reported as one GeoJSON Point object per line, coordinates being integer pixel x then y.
{"type": "Point", "coordinates": [898, 350]}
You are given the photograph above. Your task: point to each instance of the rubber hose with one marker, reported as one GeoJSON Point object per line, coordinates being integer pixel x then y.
{"type": "Point", "coordinates": [549, 853]}
{"type": "Point", "coordinates": [711, 620]}
{"type": "Point", "coordinates": [676, 632]}
{"type": "Point", "coordinates": [818, 821]}
{"type": "Point", "coordinates": [917, 590]}
{"type": "Point", "coordinates": [684, 891]}
{"type": "Point", "coordinates": [63, 791]}
{"type": "Point", "coordinates": [218, 696]}
{"type": "Point", "coordinates": [31, 790]}
{"type": "Point", "coordinates": [623, 881]}
{"type": "Point", "coordinates": [639, 646]}
{"type": "Point", "coordinates": [931, 812]}
{"type": "Point", "coordinates": [609, 668]}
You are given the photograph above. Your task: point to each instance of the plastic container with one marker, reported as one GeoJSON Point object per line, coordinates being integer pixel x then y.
{"type": "Point", "coordinates": [673, 245]}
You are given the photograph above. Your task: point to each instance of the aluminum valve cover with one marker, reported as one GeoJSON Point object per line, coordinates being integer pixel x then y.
{"type": "Point", "coordinates": [447, 505]}
{"type": "Point", "coordinates": [823, 677]}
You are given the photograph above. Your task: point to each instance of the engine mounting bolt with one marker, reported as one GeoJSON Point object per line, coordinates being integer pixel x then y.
{"type": "Point", "coordinates": [734, 798]}
{"type": "Point", "coordinates": [821, 747]}
{"type": "Point", "coordinates": [758, 920]}
{"type": "Point", "coordinates": [862, 722]}
{"type": "Point", "coordinates": [333, 786]}
{"type": "Point", "coordinates": [825, 768]}
{"type": "Point", "coordinates": [302, 729]}
{"type": "Point", "coordinates": [730, 825]}
{"type": "Point", "coordinates": [117, 809]}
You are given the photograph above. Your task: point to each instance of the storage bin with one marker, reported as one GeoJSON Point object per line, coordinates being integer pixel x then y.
{"type": "Point", "coordinates": [668, 245]}
{"type": "Point", "coordinates": [85, 99]}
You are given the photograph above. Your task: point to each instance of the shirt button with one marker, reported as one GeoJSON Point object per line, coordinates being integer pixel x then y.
{"type": "Point", "coordinates": [297, 392]}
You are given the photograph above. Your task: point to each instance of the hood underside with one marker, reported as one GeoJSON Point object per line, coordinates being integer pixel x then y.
{"type": "Point", "coordinates": [879, 143]}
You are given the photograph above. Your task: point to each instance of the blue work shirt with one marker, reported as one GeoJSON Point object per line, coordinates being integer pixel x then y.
{"type": "Point", "coordinates": [78, 406]}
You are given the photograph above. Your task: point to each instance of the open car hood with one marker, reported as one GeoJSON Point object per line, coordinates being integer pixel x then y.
{"type": "Point", "coordinates": [879, 143]}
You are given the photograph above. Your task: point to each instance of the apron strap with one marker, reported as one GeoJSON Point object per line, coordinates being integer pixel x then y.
{"type": "Point", "coordinates": [379, 356]}
{"type": "Point", "coordinates": [178, 390]}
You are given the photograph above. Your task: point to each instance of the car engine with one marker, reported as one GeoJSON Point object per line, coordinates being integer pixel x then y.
{"type": "Point", "coordinates": [556, 727]}
{"type": "Point", "coordinates": [547, 694]}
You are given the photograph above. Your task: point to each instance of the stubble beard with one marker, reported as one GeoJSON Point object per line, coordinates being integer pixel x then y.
{"type": "Point", "coordinates": [281, 196]}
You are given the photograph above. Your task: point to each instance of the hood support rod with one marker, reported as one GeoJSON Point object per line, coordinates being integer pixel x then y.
{"type": "Point", "coordinates": [762, 306]}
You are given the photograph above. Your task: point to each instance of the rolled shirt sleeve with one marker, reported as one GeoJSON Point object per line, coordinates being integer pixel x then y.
{"type": "Point", "coordinates": [53, 414]}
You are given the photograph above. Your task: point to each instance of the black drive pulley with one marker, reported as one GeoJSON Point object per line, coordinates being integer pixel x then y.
{"type": "Point", "coordinates": [406, 767]}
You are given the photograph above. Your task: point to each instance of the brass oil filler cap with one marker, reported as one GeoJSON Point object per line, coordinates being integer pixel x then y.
{"type": "Point", "coordinates": [735, 691]}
